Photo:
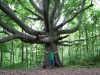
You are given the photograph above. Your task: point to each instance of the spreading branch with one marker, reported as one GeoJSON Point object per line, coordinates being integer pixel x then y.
{"type": "Point", "coordinates": [33, 18]}
{"type": "Point", "coordinates": [76, 42]}
{"type": "Point", "coordinates": [56, 4]}
{"type": "Point", "coordinates": [5, 32]}
{"type": "Point", "coordinates": [8, 28]}
{"type": "Point", "coordinates": [46, 4]}
{"type": "Point", "coordinates": [37, 15]}
{"type": "Point", "coordinates": [58, 12]}
{"type": "Point", "coordinates": [23, 37]}
{"type": "Point", "coordinates": [36, 7]}
{"type": "Point", "coordinates": [76, 13]}
{"type": "Point", "coordinates": [60, 38]}
{"type": "Point", "coordinates": [18, 21]}
{"type": "Point", "coordinates": [6, 39]}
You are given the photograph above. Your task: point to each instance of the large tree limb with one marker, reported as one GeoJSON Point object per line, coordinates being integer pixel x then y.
{"type": "Point", "coordinates": [36, 7]}
{"type": "Point", "coordinates": [14, 36]}
{"type": "Point", "coordinates": [34, 13]}
{"type": "Point", "coordinates": [56, 4]}
{"type": "Point", "coordinates": [6, 39]}
{"type": "Point", "coordinates": [76, 42]}
{"type": "Point", "coordinates": [70, 19]}
{"type": "Point", "coordinates": [18, 21]}
{"type": "Point", "coordinates": [33, 18]}
{"type": "Point", "coordinates": [62, 44]}
{"type": "Point", "coordinates": [79, 22]}
{"type": "Point", "coordinates": [58, 13]}
{"type": "Point", "coordinates": [40, 17]}
{"type": "Point", "coordinates": [46, 4]}
{"type": "Point", "coordinates": [60, 38]}
{"type": "Point", "coordinates": [72, 41]}
{"type": "Point", "coordinates": [73, 29]}
{"type": "Point", "coordinates": [5, 32]}
{"type": "Point", "coordinates": [70, 11]}
{"type": "Point", "coordinates": [8, 28]}
{"type": "Point", "coordinates": [25, 38]}
{"type": "Point", "coordinates": [18, 36]}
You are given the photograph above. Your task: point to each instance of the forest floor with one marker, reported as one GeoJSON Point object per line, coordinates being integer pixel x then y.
{"type": "Point", "coordinates": [54, 71]}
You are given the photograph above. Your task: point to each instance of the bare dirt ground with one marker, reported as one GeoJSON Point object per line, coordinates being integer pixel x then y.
{"type": "Point", "coordinates": [55, 71]}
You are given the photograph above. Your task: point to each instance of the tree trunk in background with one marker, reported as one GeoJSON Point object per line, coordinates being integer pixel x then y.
{"type": "Point", "coordinates": [22, 48]}
{"type": "Point", "coordinates": [57, 61]}
{"type": "Point", "coordinates": [22, 52]}
{"type": "Point", "coordinates": [12, 54]}
{"type": "Point", "coordinates": [32, 58]}
{"type": "Point", "coordinates": [86, 39]}
{"type": "Point", "coordinates": [36, 61]}
{"type": "Point", "coordinates": [62, 55]}
{"type": "Point", "coordinates": [80, 49]}
{"type": "Point", "coordinates": [1, 60]}
{"type": "Point", "coordinates": [99, 43]}
{"type": "Point", "coordinates": [30, 55]}
{"type": "Point", "coordinates": [26, 56]}
{"type": "Point", "coordinates": [69, 52]}
{"type": "Point", "coordinates": [92, 48]}
{"type": "Point", "coordinates": [13, 57]}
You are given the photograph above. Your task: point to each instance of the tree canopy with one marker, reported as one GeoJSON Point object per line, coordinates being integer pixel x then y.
{"type": "Point", "coordinates": [52, 16]}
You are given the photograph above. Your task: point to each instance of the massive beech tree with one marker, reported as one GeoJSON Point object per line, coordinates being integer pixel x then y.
{"type": "Point", "coordinates": [50, 13]}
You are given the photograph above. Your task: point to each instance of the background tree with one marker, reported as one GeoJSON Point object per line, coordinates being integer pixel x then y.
{"type": "Point", "coordinates": [54, 15]}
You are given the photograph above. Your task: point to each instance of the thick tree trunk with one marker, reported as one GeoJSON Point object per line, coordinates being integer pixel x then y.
{"type": "Point", "coordinates": [57, 61]}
